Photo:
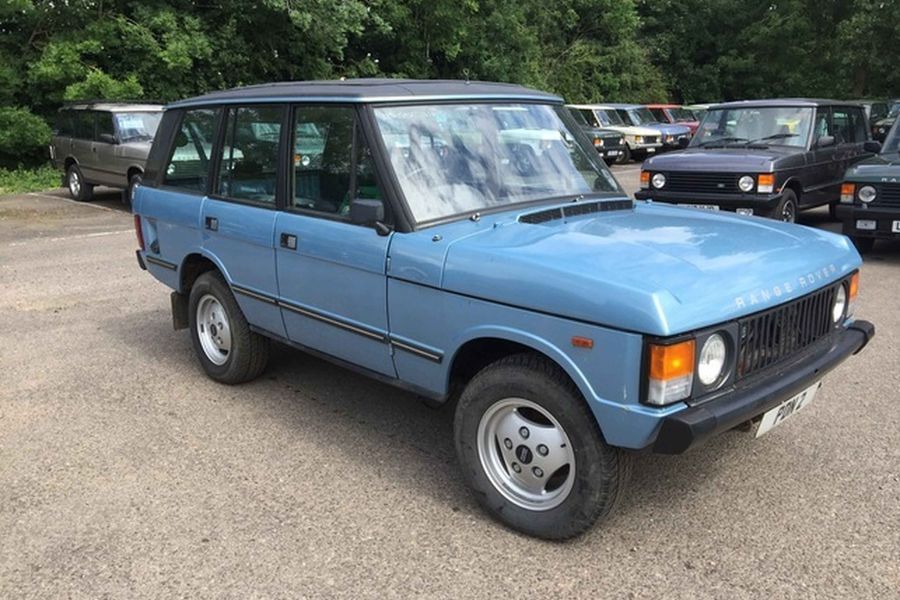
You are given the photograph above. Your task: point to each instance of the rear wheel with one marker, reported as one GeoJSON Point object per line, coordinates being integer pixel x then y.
{"type": "Point", "coordinates": [79, 189]}
{"type": "Point", "coordinates": [228, 350]}
{"type": "Point", "coordinates": [532, 451]}
{"type": "Point", "coordinates": [787, 207]}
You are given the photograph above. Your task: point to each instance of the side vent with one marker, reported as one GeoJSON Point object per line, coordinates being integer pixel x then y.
{"type": "Point", "coordinates": [575, 210]}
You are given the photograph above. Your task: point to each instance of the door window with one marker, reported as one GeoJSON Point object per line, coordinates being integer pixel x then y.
{"type": "Point", "coordinates": [65, 125]}
{"type": "Point", "coordinates": [188, 165]}
{"type": "Point", "coordinates": [327, 172]}
{"type": "Point", "coordinates": [823, 124]}
{"type": "Point", "coordinates": [841, 126]}
{"type": "Point", "coordinates": [104, 126]}
{"type": "Point", "coordinates": [858, 125]}
{"type": "Point", "coordinates": [250, 154]}
{"type": "Point", "coordinates": [84, 124]}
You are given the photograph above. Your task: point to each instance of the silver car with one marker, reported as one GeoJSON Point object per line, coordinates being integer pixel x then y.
{"type": "Point", "coordinates": [103, 143]}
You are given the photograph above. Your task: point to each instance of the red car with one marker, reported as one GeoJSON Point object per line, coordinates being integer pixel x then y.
{"type": "Point", "coordinates": [673, 113]}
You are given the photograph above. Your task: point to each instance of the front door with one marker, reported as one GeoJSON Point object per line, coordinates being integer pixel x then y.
{"type": "Point", "coordinates": [332, 273]}
{"type": "Point", "coordinates": [238, 219]}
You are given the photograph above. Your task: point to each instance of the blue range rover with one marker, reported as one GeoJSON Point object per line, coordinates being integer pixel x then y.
{"type": "Point", "coordinates": [405, 230]}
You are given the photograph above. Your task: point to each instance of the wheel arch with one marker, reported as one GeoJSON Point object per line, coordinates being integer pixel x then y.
{"type": "Point", "coordinates": [134, 170]}
{"type": "Point", "coordinates": [486, 346]}
{"type": "Point", "coordinates": [194, 265]}
{"type": "Point", "coordinates": [795, 186]}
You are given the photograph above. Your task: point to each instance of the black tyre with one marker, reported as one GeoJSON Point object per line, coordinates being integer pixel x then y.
{"type": "Point", "coordinates": [787, 207]}
{"type": "Point", "coordinates": [624, 155]}
{"type": "Point", "coordinates": [863, 244]}
{"type": "Point", "coordinates": [79, 189]}
{"type": "Point", "coordinates": [228, 351]}
{"type": "Point", "coordinates": [133, 181]}
{"type": "Point", "coordinates": [532, 451]}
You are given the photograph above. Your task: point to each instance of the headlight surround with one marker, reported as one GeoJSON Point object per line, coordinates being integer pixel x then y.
{"type": "Point", "coordinates": [746, 183]}
{"type": "Point", "coordinates": [638, 139]}
{"type": "Point", "coordinates": [866, 194]}
{"type": "Point", "coordinates": [658, 181]}
{"type": "Point", "coordinates": [712, 360]}
{"type": "Point", "coordinates": [839, 308]}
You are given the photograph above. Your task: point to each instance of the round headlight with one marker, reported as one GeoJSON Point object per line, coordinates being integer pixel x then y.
{"type": "Point", "coordinates": [867, 193]}
{"type": "Point", "coordinates": [711, 363]}
{"type": "Point", "coordinates": [840, 305]}
{"type": "Point", "coordinates": [658, 180]}
{"type": "Point", "coordinates": [746, 183]}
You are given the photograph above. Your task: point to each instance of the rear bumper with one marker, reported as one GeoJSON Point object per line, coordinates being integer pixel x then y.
{"type": "Point", "coordinates": [758, 202]}
{"type": "Point", "coordinates": [884, 219]}
{"type": "Point", "coordinates": [692, 426]}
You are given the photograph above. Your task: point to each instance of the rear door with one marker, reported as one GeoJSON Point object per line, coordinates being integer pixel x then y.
{"type": "Point", "coordinates": [820, 179]}
{"type": "Point", "coordinates": [332, 273]}
{"type": "Point", "coordinates": [238, 218]}
{"type": "Point", "coordinates": [82, 145]}
{"type": "Point", "coordinates": [108, 172]}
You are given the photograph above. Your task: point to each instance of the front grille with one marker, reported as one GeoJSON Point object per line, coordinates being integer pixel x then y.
{"type": "Point", "coordinates": [888, 195]}
{"type": "Point", "coordinates": [651, 139]}
{"type": "Point", "coordinates": [771, 336]}
{"type": "Point", "coordinates": [701, 183]}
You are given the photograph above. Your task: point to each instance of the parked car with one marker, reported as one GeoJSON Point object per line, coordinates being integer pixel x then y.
{"type": "Point", "coordinates": [103, 143]}
{"type": "Point", "coordinates": [870, 196]}
{"type": "Point", "coordinates": [671, 135]}
{"type": "Point", "coordinates": [881, 127]}
{"type": "Point", "coordinates": [578, 325]}
{"type": "Point", "coordinates": [698, 110]}
{"type": "Point", "coordinates": [673, 113]}
{"type": "Point", "coordinates": [875, 109]}
{"type": "Point", "coordinates": [764, 157]}
{"type": "Point", "coordinates": [640, 142]}
{"type": "Point", "coordinates": [609, 144]}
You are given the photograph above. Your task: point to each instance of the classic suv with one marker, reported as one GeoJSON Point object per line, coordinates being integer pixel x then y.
{"type": "Point", "coordinates": [882, 126]}
{"type": "Point", "coordinates": [397, 228]}
{"type": "Point", "coordinates": [609, 144]}
{"type": "Point", "coordinates": [671, 135]}
{"type": "Point", "coordinates": [870, 196]}
{"type": "Point", "coordinates": [103, 143]}
{"type": "Point", "coordinates": [640, 142]}
{"type": "Point", "coordinates": [673, 113]}
{"type": "Point", "coordinates": [763, 157]}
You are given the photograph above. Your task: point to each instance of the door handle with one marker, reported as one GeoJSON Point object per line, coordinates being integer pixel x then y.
{"type": "Point", "coordinates": [289, 241]}
{"type": "Point", "coordinates": [212, 223]}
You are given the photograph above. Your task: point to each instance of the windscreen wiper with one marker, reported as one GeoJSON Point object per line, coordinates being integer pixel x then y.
{"type": "Point", "coordinates": [774, 136]}
{"type": "Point", "coordinates": [721, 140]}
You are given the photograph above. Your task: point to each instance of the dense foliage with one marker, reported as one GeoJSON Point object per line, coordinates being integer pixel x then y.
{"type": "Point", "coordinates": [692, 50]}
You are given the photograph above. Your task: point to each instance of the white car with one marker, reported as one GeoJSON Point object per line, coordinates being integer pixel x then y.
{"type": "Point", "coordinates": [640, 142]}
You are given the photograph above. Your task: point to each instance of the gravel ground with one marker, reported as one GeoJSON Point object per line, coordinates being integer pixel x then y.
{"type": "Point", "coordinates": [125, 472]}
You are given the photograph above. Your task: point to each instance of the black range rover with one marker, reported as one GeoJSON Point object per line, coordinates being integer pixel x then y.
{"type": "Point", "coordinates": [764, 157]}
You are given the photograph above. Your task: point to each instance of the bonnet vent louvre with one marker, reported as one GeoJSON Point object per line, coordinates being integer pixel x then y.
{"type": "Point", "coordinates": [574, 210]}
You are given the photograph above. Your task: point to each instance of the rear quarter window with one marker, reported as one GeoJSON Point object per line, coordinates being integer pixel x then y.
{"type": "Point", "coordinates": [187, 167]}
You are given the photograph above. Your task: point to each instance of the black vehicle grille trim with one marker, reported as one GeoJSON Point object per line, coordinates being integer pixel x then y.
{"type": "Point", "coordinates": [771, 336]}
{"type": "Point", "coordinates": [574, 210]}
{"type": "Point", "coordinates": [888, 195]}
{"type": "Point", "coordinates": [689, 181]}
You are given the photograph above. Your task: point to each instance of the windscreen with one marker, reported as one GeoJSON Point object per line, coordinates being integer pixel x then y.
{"type": "Point", "coordinates": [456, 159]}
{"type": "Point", "coordinates": [609, 117]}
{"type": "Point", "coordinates": [781, 125]}
{"type": "Point", "coordinates": [892, 143]}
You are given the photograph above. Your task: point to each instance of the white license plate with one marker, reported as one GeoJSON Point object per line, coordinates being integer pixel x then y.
{"type": "Point", "coordinates": [651, 150]}
{"type": "Point", "coordinates": [895, 227]}
{"type": "Point", "coordinates": [612, 152]}
{"type": "Point", "coordinates": [776, 416]}
{"type": "Point", "coordinates": [703, 206]}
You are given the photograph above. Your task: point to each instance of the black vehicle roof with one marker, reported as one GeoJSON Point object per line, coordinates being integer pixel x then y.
{"type": "Point", "coordinates": [372, 90]}
{"type": "Point", "coordinates": [776, 102]}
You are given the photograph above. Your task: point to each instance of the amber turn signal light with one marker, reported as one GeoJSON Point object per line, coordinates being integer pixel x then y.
{"type": "Point", "coordinates": [670, 362]}
{"type": "Point", "coordinates": [645, 179]}
{"type": "Point", "coordinates": [847, 192]}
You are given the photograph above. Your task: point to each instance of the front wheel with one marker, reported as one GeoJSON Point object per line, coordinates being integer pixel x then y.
{"type": "Point", "coordinates": [532, 451]}
{"type": "Point", "coordinates": [787, 207]}
{"type": "Point", "coordinates": [228, 350]}
{"type": "Point", "coordinates": [624, 156]}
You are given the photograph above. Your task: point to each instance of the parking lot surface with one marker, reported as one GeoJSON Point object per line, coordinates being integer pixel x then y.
{"type": "Point", "coordinates": [125, 472]}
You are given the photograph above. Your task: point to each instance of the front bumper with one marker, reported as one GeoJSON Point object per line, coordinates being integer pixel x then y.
{"type": "Point", "coordinates": [884, 221]}
{"type": "Point", "coordinates": [760, 203]}
{"type": "Point", "coordinates": [611, 151]}
{"type": "Point", "coordinates": [692, 426]}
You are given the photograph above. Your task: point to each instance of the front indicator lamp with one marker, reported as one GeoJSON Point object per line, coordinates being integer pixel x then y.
{"type": "Point", "coordinates": [598, 142]}
{"type": "Point", "coordinates": [670, 372]}
{"type": "Point", "coordinates": [765, 183]}
{"type": "Point", "coordinates": [852, 293]}
{"type": "Point", "coordinates": [645, 179]}
{"type": "Point", "coordinates": [848, 190]}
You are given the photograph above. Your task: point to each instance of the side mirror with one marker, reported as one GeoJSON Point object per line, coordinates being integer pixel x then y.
{"type": "Point", "coordinates": [366, 212]}
{"type": "Point", "coordinates": [683, 142]}
{"type": "Point", "coordinates": [872, 146]}
{"type": "Point", "coordinates": [825, 141]}
{"type": "Point", "coordinates": [108, 138]}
